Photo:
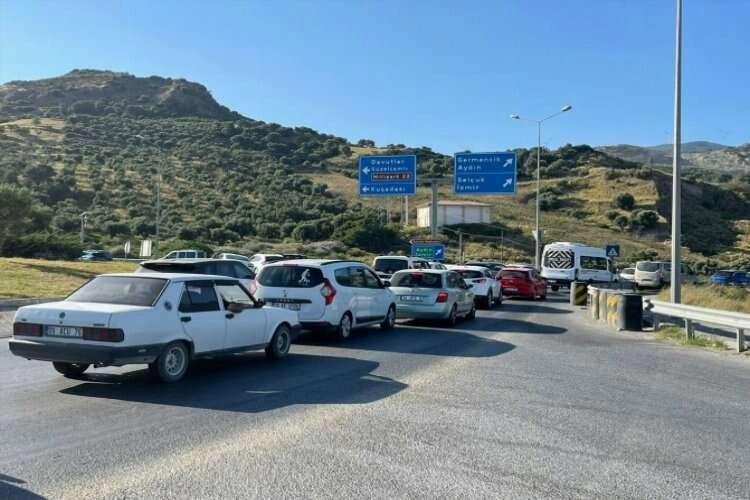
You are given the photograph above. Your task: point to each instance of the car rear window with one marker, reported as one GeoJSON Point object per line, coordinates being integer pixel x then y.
{"type": "Point", "coordinates": [290, 276]}
{"type": "Point", "coordinates": [649, 267]}
{"type": "Point", "coordinates": [417, 280]}
{"type": "Point", "coordinates": [514, 274]}
{"type": "Point", "coordinates": [125, 290]}
{"type": "Point", "coordinates": [169, 267]}
{"type": "Point", "coordinates": [469, 274]}
{"type": "Point", "coordinates": [390, 266]}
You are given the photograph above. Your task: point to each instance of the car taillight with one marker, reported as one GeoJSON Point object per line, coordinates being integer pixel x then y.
{"type": "Point", "coordinates": [104, 334]}
{"type": "Point", "coordinates": [27, 329]}
{"type": "Point", "coordinates": [442, 297]}
{"type": "Point", "coordinates": [328, 292]}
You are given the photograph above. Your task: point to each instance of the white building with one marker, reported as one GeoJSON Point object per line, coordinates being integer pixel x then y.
{"type": "Point", "coordinates": [455, 212]}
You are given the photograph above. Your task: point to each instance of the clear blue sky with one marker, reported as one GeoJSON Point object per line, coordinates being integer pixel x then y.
{"type": "Point", "coordinates": [424, 73]}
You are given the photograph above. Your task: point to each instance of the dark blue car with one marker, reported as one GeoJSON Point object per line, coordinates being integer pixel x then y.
{"type": "Point", "coordinates": [728, 277]}
{"type": "Point", "coordinates": [95, 255]}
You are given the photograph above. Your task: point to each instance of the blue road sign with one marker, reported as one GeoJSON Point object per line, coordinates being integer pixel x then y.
{"type": "Point", "coordinates": [429, 251]}
{"type": "Point", "coordinates": [387, 175]}
{"type": "Point", "coordinates": [613, 250]}
{"type": "Point", "coordinates": [484, 173]}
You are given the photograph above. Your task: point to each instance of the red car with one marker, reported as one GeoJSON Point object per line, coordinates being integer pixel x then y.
{"type": "Point", "coordinates": [522, 282]}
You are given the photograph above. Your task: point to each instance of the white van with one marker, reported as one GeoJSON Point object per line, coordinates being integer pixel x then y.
{"type": "Point", "coordinates": [564, 262]}
{"type": "Point", "coordinates": [186, 254]}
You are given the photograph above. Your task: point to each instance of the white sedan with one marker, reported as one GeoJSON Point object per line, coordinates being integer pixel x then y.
{"type": "Point", "coordinates": [163, 320]}
{"type": "Point", "coordinates": [487, 289]}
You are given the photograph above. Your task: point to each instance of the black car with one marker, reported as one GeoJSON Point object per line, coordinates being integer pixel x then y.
{"type": "Point", "coordinates": [216, 267]}
{"type": "Point", "coordinates": [95, 255]}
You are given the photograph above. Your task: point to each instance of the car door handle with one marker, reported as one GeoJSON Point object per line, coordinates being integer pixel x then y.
{"type": "Point", "coordinates": [229, 315]}
{"type": "Point", "coordinates": [185, 319]}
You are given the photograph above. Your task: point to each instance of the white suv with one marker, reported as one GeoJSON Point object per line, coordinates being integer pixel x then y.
{"type": "Point", "coordinates": [487, 288]}
{"type": "Point", "coordinates": [332, 295]}
{"type": "Point", "coordinates": [386, 265]}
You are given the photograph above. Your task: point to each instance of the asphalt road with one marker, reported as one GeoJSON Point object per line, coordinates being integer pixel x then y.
{"type": "Point", "coordinates": [530, 400]}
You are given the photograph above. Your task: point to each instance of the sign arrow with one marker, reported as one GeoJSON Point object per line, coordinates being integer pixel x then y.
{"type": "Point", "coordinates": [365, 189]}
{"type": "Point", "coordinates": [508, 162]}
{"type": "Point", "coordinates": [439, 252]}
{"type": "Point", "coordinates": [508, 181]}
{"type": "Point", "coordinates": [366, 170]}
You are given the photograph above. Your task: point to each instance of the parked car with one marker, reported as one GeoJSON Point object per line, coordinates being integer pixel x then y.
{"type": "Point", "coordinates": [328, 295]}
{"type": "Point", "coordinates": [95, 255]}
{"type": "Point", "coordinates": [492, 266]}
{"type": "Point", "coordinates": [523, 282]}
{"type": "Point", "coordinates": [214, 267]}
{"type": "Point", "coordinates": [233, 256]}
{"type": "Point", "coordinates": [161, 320]}
{"type": "Point", "coordinates": [487, 290]}
{"type": "Point", "coordinates": [186, 254]}
{"type": "Point", "coordinates": [627, 274]}
{"type": "Point", "coordinates": [657, 274]}
{"type": "Point", "coordinates": [432, 294]}
{"type": "Point", "coordinates": [261, 259]}
{"type": "Point", "coordinates": [386, 265]}
{"type": "Point", "coordinates": [732, 278]}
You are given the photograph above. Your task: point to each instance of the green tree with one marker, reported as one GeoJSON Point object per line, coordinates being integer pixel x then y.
{"type": "Point", "coordinates": [625, 201]}
{"type": "Point", "coordinates": [15, 212]}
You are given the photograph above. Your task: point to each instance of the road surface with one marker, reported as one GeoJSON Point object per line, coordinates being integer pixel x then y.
{"type": "Point", "coordinates": [530, 400]}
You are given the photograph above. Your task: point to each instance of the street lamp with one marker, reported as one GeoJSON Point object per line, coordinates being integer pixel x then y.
{"type": "Point", "coordinates": [158, 198]}
{"type": "Point", "coordinates": [537, 236]}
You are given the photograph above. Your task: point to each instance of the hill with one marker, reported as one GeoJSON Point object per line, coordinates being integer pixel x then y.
{"type": "Point", "coordinates": [93, 141]}
{"type": "Point", "coordinates": [701, 156]}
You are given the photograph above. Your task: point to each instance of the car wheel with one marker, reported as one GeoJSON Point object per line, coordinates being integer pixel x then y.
{"type": "Point", "coordinates": [390, 319]}
{"type": "Point", "coordinates": [70, 369]}
{"type": "Point", "coordinates": [452, 318]}
{"type": "Point", "coordinates": [555, 288]}
{"type": "Point", "coordinates": [345, 327]}
{"type": "Point", "coordinates": [473, 313]}
{"type": "Point", "coordinates": [279, 345]}
{"type": "Point", "coordinates": [490, 300]}
{"type": "Point", "coordinates": [172, 363]}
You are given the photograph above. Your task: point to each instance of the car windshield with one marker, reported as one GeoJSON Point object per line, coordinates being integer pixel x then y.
{"type": "Point", "coordinates": [124, 290]}
{"type": "Point", "coordinates": [514, 274]}
{"type": "Point", "coordinates": [390, 266]}
{"type": "Point", "coordinates": [417, 280]}
{"type": "Point", "coordinates": [628, 270]}
{"type": "Point", "coordinates": [290, 276]}
{"type": "Point", "coordinates": [649, 267]}
{"type": "Point", "coordinates": [469, 274]}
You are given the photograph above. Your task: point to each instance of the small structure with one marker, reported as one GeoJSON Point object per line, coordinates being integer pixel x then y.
{"type": "Point", "coordinates": [455, 212]}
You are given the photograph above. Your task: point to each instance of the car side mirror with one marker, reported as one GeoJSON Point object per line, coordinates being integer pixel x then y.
{"type": "Point", "coordinates": [259, 303]}
{"type": "Point", "coordinates": [235, 308]}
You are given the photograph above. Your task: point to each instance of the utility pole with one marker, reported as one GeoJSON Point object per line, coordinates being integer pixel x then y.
{"type": "Point", "coordinates": [434, 211]}
{"type": "Point", "coordinates": [84, 220]}
{"type": "Point", "coordinates": [158, 207]}
{"type": "Point", "coordinates": [674, 294]}
{"type": "Point", "coordinates": [406, 210]}
{"type": "Point", "coordinates": [502, 247]}
{"type": "Point", "coordinates": [460, 247]}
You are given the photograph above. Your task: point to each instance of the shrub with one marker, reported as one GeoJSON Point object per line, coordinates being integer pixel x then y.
{"type": "Point", "coordinates": [625, 201]}
{"type": "Point", "coordinates": [621, 221]}
{"type": "Point", "coordinates": [612, 214]}
{"type": "Point", "coordinates": [549, 201]}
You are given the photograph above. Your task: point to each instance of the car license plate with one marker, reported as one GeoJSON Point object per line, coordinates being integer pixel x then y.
{"type": "Point", "coordinates": [510, 289]}
{"type": "Point", "coordinates": [411, 298]}
{"type": "Point", "coordinates": [64, 331]}
{"type": "Point", "coordinates": [286, 305]}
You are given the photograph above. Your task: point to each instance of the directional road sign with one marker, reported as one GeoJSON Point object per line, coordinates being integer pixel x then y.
{"type": "Point", "coordinates": [613, 250]}
{"type": "Point", "coordinates": [484, 173]}
{"type": "Point", "coordinates": [387, 175]}
{"type": "Point", "coordinates": [429, 251]}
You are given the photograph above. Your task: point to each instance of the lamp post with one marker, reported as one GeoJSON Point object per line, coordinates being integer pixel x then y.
{"type": "Point", "coordinates": [675, 273]}
{"type": "Point", "coordinates": [537, 235]}
{"type": "Point", "coordinates": [158, 200]}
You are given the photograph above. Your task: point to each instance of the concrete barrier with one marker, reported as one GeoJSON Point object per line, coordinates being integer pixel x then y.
{"type": "Point", "coordinates": [578, 293]}
{"type": "Point", "coordinates": [594, 302]}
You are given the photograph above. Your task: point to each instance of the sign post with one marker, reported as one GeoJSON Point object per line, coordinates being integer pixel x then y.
{"type": "Point", "coordinates": [484, 173]}
{"type": "Point", "coordinates": [388, 175]}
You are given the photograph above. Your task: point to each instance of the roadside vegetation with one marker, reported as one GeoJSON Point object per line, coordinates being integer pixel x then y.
{"type": "Point", "coordinates": [728, 298]}
{"type": "Point", "coordinates": [676, 335]}
{"type": "Point", "coordinates": [23, 278]}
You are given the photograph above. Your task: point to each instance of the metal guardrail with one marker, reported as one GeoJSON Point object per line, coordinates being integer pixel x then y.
{"type": "Point", "coordinates": [737, 321]}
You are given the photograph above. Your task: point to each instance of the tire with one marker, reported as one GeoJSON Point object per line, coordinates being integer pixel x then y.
{"type": "Point", "coordinates": [280, 343]}
{"type": "Point", "coordinates": [473, 313]}
{"type": "Point", "coordinates": [344, 329]}
{"type": "Point", "coordinates": [389, 323]}
{"type": "Point", "coordinates": [452, 318]}
{"type": "Point", "coordinates": [71, 370]}
{"type": "Point", "coordinates": [172, 364]}
{"type": "Point", "coordinates": [555, 288]}
{"type": "Point", "coordinates": [489, 301]}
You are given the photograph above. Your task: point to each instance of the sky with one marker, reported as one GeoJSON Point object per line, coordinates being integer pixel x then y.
{"type": "Point", "coordinates": [442, 74]}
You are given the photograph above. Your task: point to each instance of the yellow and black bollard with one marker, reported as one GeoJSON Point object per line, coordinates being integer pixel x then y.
{"type": "Point", "coordinates": [578, 293]}
{"type": "Point", "coordinates": [594, 302]}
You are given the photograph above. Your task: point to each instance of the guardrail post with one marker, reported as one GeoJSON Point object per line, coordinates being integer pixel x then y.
{"type": "Point", "coordinates": [689, 330]}
{"type": "Point", "coordinates": [740, 339]}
